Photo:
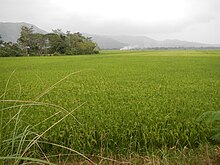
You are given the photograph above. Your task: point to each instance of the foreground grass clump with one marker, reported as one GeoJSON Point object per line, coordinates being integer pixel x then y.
{"type": "Point", "coordinates": [119, 103]}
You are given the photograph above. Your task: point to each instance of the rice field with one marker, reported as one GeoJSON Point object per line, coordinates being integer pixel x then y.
{"type": "Point", "coordinates": [114, 103]}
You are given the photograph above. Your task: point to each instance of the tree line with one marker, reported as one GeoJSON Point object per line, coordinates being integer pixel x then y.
{"type": "Point", "coordinates": [55, 43]}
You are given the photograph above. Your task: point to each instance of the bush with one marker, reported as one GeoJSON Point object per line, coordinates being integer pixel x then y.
{"type": "Point", "coordinates": [10, 50]}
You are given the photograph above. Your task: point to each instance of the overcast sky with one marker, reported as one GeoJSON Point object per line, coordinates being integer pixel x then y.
{"type": "Point", "coordinates": [190, 20]}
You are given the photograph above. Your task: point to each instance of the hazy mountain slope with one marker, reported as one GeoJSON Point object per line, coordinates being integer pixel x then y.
{"type": "Point", "coordinates": [11, 31]}
{"type": "Point", "coordinates": [179, 43]}
{"type": "Point", "coordinates": [136, 41]}
{"type": "Point", "coordinates": [106, 42]}
{"type": "Point", "coordinates": [141, 42]}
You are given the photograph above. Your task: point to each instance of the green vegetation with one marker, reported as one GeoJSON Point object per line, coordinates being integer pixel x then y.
{"type": "Point", "coordinates": [56, 43]}
{"type": "Point", "coordinates": [117, 104]}
{"type": "Point", "coordinates": [212, 117]}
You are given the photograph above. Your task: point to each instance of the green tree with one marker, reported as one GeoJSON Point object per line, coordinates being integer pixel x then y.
{"type": "Point", "coordinates": [38, 44]}
{"type": "Point", "coordinates": [56, 43]}
{"type": "Point", "coordinates": [78, 44]}
{"type": "Point", "coordinates": [1, 41]}
{"type": "Point", "coordinates": [9, 49]}
{"type": "Point", "coordinates": [25, 40]}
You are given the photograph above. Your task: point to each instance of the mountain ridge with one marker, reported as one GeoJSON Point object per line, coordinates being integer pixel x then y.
{"type": "Point", "coordinates": [11, 32]}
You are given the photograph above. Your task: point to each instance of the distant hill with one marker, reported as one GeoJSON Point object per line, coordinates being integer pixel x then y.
{"type": "Point", "coordinates": [126, 42]}
{"type": "Point", "coordinates": [142, 42]}
{"type": "Point", "coordinates": [11, 31]}
{"type": "Point", "coordinates": [184, 44]}
{"type": "Point", "coordinates": [105, 42]}
{"type": "Point", "coordinates": [136, 41]}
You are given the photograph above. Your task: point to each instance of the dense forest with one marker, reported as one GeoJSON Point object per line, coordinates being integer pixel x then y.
{"type": "Point", "coordinates": [56, 43]}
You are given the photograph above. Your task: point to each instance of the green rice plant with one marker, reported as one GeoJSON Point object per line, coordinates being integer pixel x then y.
{"type": "Point", "coordinates": [213, 118]}
{"type": "Point", "coordinates": [18, 141]}
{"type": "Point", "coordinates": [137, 102]}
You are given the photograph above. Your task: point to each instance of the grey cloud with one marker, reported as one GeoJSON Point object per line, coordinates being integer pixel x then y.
{"type": "Point", "coordinates": [48, 16]}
